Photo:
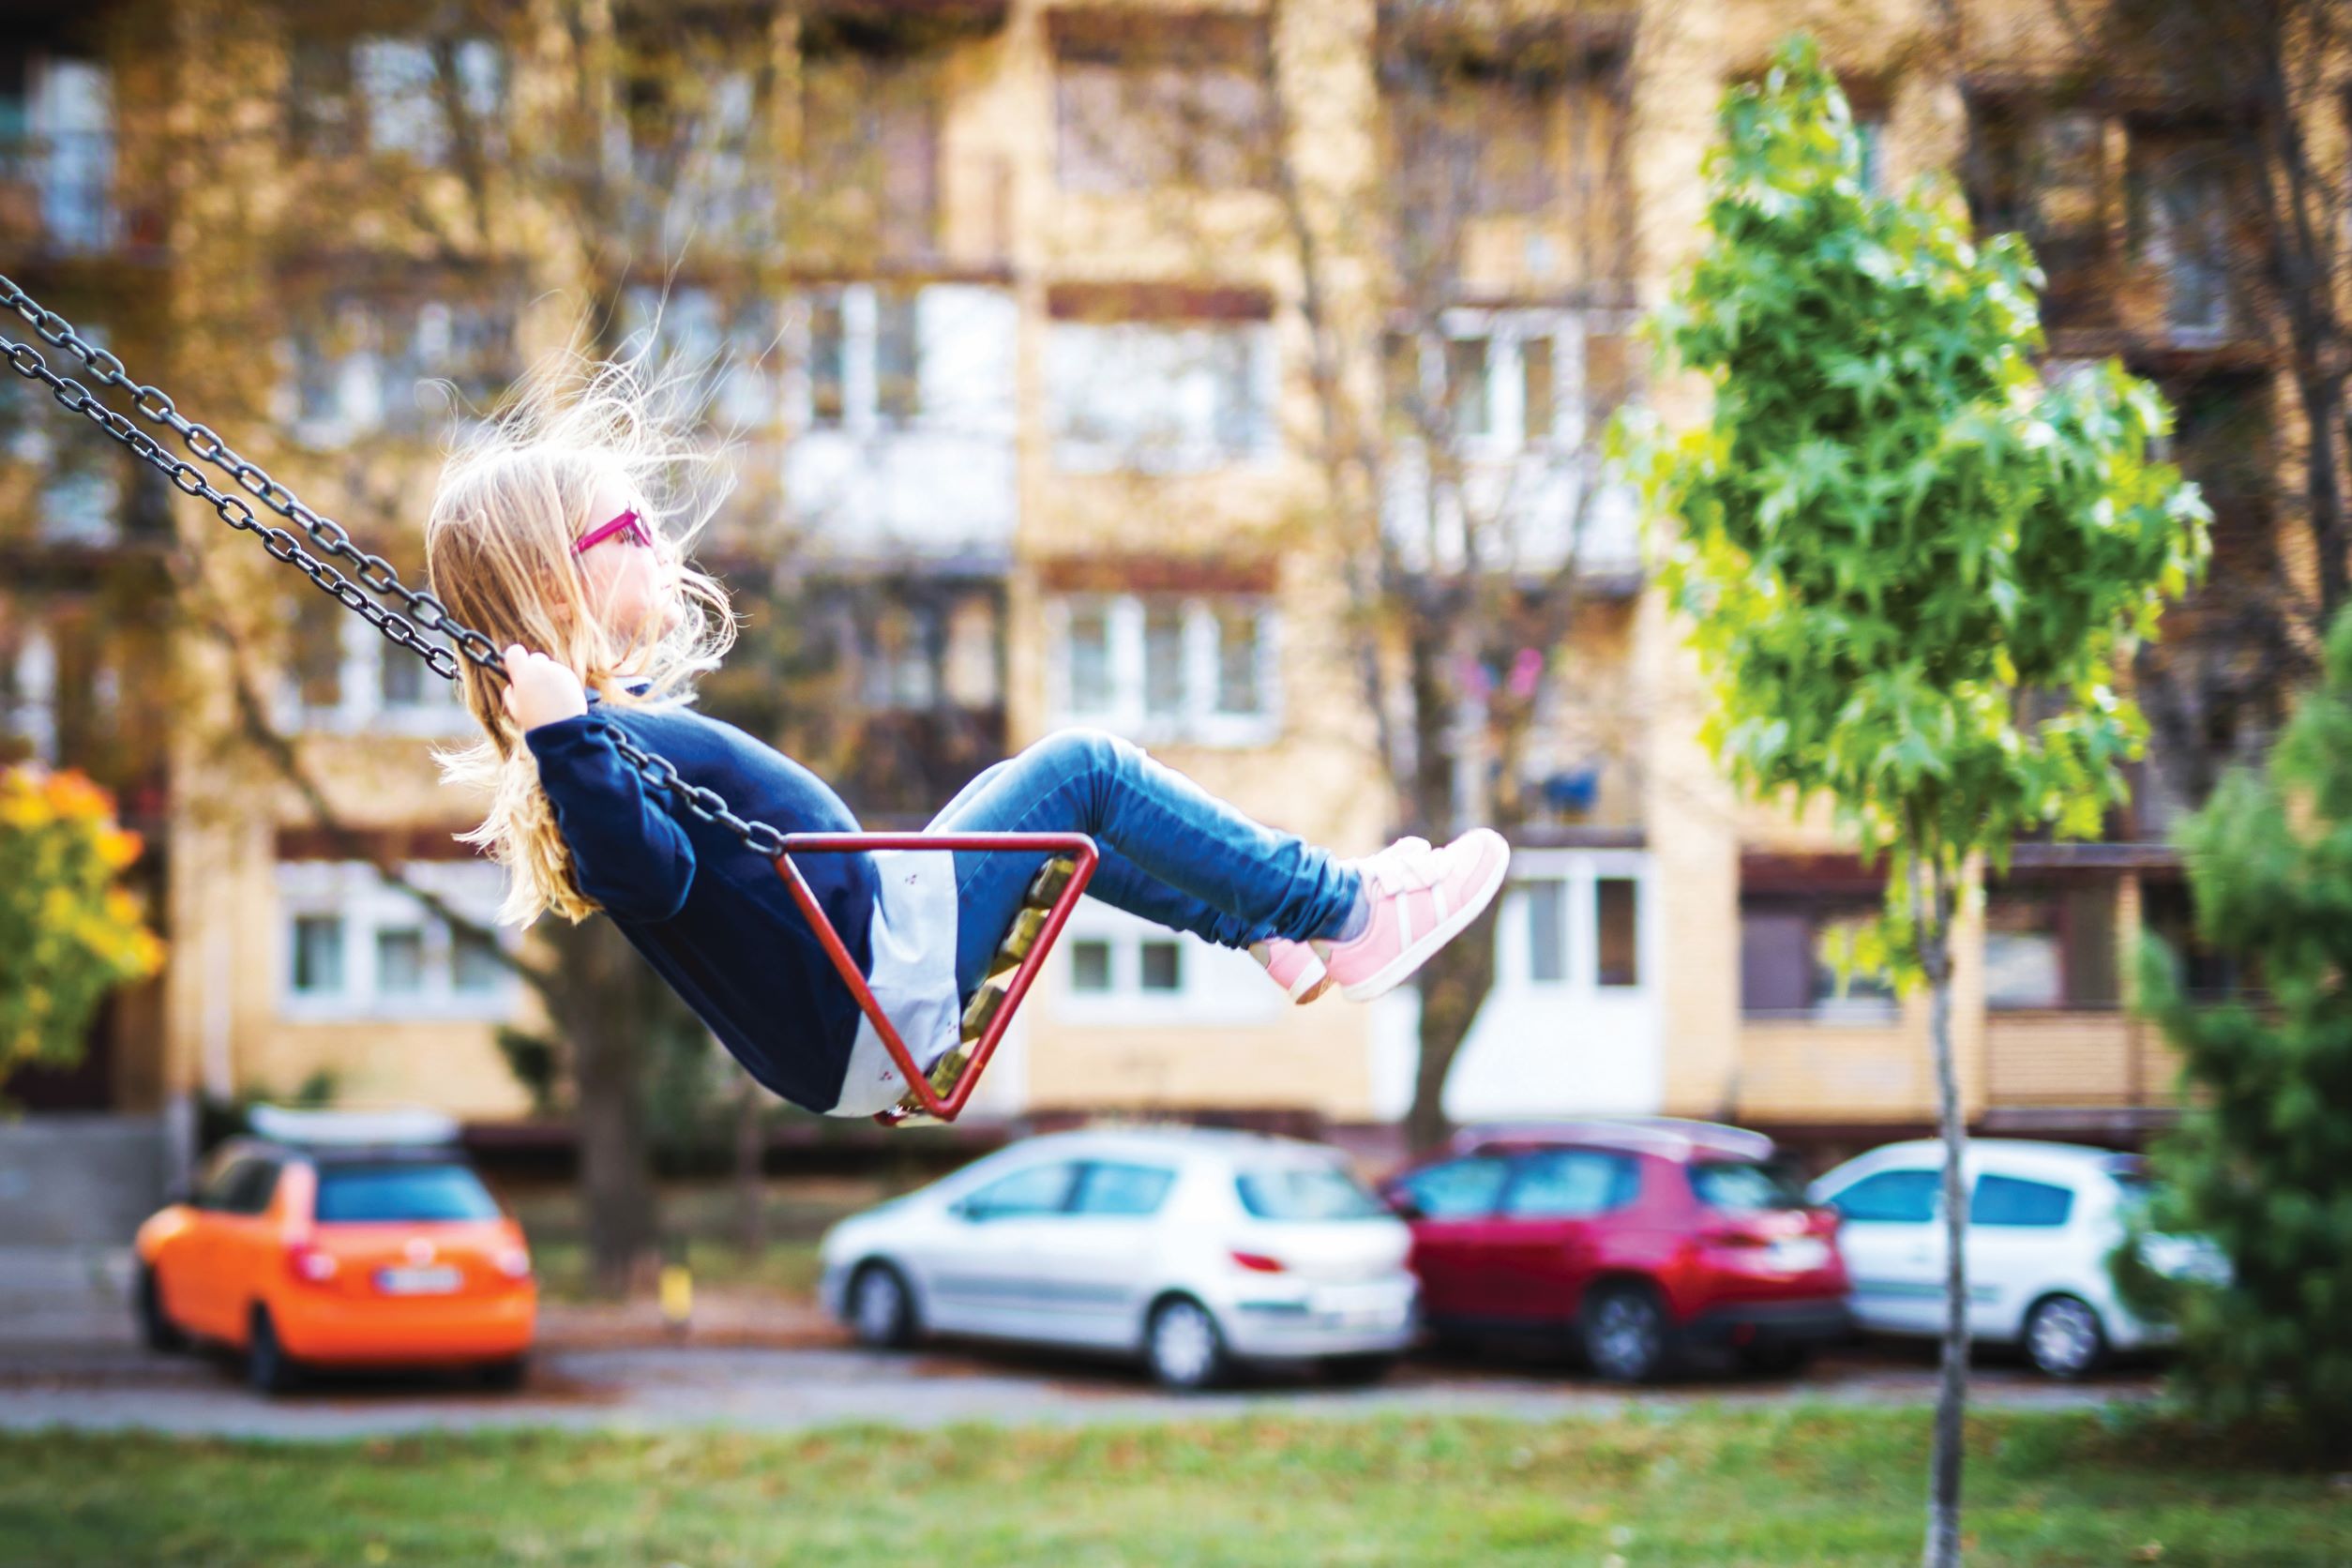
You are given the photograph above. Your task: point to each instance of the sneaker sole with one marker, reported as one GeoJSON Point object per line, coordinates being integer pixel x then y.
{"type": "Point", "coordinates": [1400, 968]}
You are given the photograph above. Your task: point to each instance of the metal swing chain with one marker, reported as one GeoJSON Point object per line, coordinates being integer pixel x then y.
{"type": "Point", "coordinates": [426, 613]}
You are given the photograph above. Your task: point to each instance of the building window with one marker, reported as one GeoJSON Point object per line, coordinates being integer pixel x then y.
{"type": "Point", "coordinates": [1795, 960]}
{"type": "Point", "coordinates": [1167, 669]}
{"type": "Point", "coordinates": [1090, 966]}
{"type": "Point", "coordinates": [57, 152]}
{"type": "Point", "coordinates": [1119, 968]}
{"type": "Point", "coordinates": [358, 948]}
{"type": "Point", "coordinates": [1617, 925]}
{"type": "Point", "coordinates": [1501, 381]}
{"type": "Point", "coordinates": [1547, 929]}
{"type": "Point", "coordinates": [1163, 966]}
{"type": "Point", "coordinates": [1151, 108]}
{"type": "Point", "coordinates": [1870, 138]}
{"type": "Point", "coordinates": [343, 675]}
{"type": "Point", "coordinates": [726, 345]}
{"type": "Point", "coordinates": [2179, 208]}
{"type": "Point", "coordinates": [406, 86]}
{"type": "Point", "coordinates": [1160, 396]}
{"type": "Point", "coordinates": [2050, 948]}
{"type": "Point", "coordinates": [358, 369]}
{"type": "Point", "coordinates": [76, 469]}
{"type": "Point", "coordinates": [864, 363]}
{"type": "Point", "coordinates": [318, 955]}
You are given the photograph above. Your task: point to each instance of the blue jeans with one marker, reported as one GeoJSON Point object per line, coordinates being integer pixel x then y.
{"type": "Point", "coordinates": [1170, 852]}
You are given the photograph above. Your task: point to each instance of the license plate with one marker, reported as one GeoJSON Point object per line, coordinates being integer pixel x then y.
{"type": "Point", "coordinates": [438, 1280]}
{"type": "Point", "coordinates": [1800, 1254]}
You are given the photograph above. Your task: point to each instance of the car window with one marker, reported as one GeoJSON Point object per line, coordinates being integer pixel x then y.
{"type": "Point", "coordinates": [1745, 1187]}
{"type": "Point", "coordinates": [1458, 1189]}
{"type": "Point", "coordinates": [1305, 1191]}
{"type": "Point", "coordinates": [257, 1181]}
{"type": "Point", "coordinates": [1129, 1190]}
{"type": "Point", "coordinates": [2013, 1201]}
{"type": "Point", "coordinates": [1041, 1189]}
{"type": "Point", "coordinates": [1891, 1198]}
{"type": "Point", "coordinates": [221, 1181]}
{"type": "Point", "coordinates": [360, 1193]}
{"type": "Point", "coordinates": [1564, 1184]}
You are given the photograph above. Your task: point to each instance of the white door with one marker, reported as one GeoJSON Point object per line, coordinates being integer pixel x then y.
{"type": "Point", "coordinates": [1572, 1024]}
{"type": "Point", "coordinates": [2024, 1242]}
{"type": "Point", "coordinates": [1105, 1255]}
{"type": "Point", "coordinates": [1891, 1234]}
{"type": "Point", "coordinates": [987, 1271]}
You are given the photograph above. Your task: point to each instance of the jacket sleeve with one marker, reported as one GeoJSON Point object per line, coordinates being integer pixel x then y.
{"type": "Point", "coordinates": [631, 854]}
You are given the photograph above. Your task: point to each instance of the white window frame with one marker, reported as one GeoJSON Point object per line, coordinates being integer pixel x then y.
{"type": "Point", "coordinates": [1214, 985]}
{"type": "Point", "coordinates": [351, 891]}
{"type": "Point", "coordinates": [360, 707]}
{"type": "Point", "coordinates": [1200, 723]}
{"type": "Point", "coordinates": [1507, 333]}
{"type": "Point", "coordinates": [1580, 871]}
{"type": "Point", "coordinates": [861, 366]}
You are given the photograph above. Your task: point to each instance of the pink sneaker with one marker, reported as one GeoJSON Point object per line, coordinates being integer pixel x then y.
{"type": "Point", "coordinates": [1422, 897]}
{"type": "Point", "coordinates": [1297, 967]}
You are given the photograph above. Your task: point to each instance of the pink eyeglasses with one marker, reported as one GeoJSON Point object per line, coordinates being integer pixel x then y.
{"type": "Point", "coordinates": [627, 525]}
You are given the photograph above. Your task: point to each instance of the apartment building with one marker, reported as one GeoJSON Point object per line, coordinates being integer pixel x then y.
{"type": "Point", "coordinates": [1019, 307]}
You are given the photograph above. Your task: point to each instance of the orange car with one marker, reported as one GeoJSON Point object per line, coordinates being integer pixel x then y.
{"type": "Point", "coordinates": [324, 1253]}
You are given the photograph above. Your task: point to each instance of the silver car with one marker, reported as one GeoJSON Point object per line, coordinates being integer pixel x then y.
{"type": "Point", "coordinates": [1196, 1250]}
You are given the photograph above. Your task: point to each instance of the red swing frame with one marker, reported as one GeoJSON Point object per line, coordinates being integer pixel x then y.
{"type": "Point", "coordinates": [1078, 846]}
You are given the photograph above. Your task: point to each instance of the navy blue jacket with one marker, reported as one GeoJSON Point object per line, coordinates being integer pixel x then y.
{"type": "Point", "coordinates": [714, 918]}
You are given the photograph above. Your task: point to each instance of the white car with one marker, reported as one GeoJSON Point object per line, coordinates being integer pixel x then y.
{"type": "Point", "coordinates": [1194, 1249]}
{"type": "Point", "coordinates": [2042, 1220]}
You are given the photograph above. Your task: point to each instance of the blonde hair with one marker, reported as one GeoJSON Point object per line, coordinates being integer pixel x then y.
{"type": "Point", "coordinates": [513, 497]}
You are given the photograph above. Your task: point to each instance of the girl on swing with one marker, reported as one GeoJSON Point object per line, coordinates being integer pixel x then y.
{"type": "Point", "coordinates": [560, 533]}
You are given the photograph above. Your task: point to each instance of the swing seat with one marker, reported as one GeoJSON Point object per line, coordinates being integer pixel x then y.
{"type": "Point", "coordinates": [941, 1095]}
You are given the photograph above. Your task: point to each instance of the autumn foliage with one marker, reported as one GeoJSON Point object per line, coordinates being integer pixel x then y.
{"type": "Point", "coordinates": [69, 931]}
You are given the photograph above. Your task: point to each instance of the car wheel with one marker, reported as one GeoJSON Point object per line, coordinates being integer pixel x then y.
{"type": "Point", "coordinates": [881, 1308]}
{"type": "Point", "coordinates": [1183, 1346]}
{"type": "Point", "coordinates": [1359, 1371]}
{"type": "Point", "coordinates": [267, 1366]}
{"type": "Point", "coordinates": [1625, 1334]}
{"type": "Point", "coordinates": [2064, 1337]}
{"type": "Point", "coordinates": [505, 1375]}
{"type": "Point", "coordinates": [155, 1328]}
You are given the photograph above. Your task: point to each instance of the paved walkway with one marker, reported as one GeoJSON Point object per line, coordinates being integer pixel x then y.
{"type": "Point", "coordinates": [787, 1389]}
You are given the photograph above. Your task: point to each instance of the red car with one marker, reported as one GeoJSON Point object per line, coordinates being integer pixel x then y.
{"type": "Point", "coordinates": [1634, 1240]}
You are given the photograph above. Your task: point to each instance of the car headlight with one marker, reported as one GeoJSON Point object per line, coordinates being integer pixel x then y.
{"type": "Point", "coordinates": [2189, 1257]}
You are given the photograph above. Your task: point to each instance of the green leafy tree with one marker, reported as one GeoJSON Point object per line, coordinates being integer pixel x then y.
{"type": "Point", "coordinates": [1911, 567]}
{"type": "Point", "coordinates": [69, 932]}
{"type": "Point", "coordinates": [2262, 1161]}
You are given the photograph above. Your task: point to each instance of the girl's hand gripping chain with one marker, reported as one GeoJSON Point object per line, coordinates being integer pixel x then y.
{"type": "Point", "coordinates": [539, 690]}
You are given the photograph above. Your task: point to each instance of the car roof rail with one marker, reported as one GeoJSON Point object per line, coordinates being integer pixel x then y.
{"type": "Point", "coordinates": [409, 1129]}
{"type": "Point", "coordinates": [1676, 1137]}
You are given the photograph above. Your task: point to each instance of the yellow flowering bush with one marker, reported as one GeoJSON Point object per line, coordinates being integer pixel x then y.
{"type": "Point", "coordinates": [69, 933]}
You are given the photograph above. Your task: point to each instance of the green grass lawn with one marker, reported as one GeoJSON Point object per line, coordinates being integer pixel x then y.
{"type": "Point", "coordinates": [1698, 1486]}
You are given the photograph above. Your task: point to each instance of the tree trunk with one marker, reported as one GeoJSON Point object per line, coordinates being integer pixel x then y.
{"type": "Point", "coordinates": [1453, 985]}
{"type": "Point", "coordinates": [1943, 1507]}
{"type": "Point", "coordinates": [603, 1018]}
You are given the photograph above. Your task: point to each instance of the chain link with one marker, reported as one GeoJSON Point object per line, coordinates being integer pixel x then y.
{"type": "Point", "coordinates": [373, 573]}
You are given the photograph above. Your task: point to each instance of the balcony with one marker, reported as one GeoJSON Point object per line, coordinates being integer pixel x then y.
{"type": "Point", "coordinates": [902, 404]}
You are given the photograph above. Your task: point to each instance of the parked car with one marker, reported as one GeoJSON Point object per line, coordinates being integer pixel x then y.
{"type": "Point", "coordinates": [1195, 1250]}
{"type": "Point", "coordinates": [339, 1239]}
{"type": "Point", "coordinates": [1634, 1241]}
{"type": "Point", "coordinates": [2042, 1220]}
